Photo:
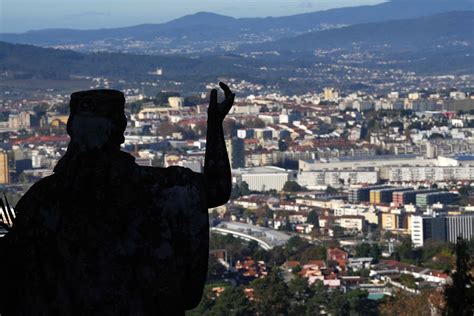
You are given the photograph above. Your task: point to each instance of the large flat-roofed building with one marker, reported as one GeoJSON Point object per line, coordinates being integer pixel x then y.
{"type": "Point", "coordinates": [443, 228]}
{"type": "Point", "coordinates": [362, 194]}
{"type": "Point", "coordinates": [376, 161]}
{"type": "Point", "coordinates": [385, 195]}
{"type": "Point", "coordinates": [429, 173]}
{"type": "Point", "coordinates": [456, 160]}
{"type": "Point", "coordinates": [459, 225]}
{"type": "Point", "coordinates": [425, 199]}
{"type": "Point", "coordinates": [336, 178]}
{"type": "Point", "coordinates": [264, 178]}
{"type": "Point", "coordinates": [408, 197]}
{"type": "Point", "coordinates": [425, 228]}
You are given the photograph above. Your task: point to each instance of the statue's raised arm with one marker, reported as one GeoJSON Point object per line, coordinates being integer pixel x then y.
{"type": "Point", "coordinates": [217, 167]}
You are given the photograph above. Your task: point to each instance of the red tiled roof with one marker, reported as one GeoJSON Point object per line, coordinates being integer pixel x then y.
{"type": "Point", "coordinates": [292, 264]}
{"type": "Point", "coordinates": [41, 139]}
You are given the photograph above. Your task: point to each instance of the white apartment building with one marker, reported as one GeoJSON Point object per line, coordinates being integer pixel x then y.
{"type": "Point", "coordinates": [336, 178]}
{"type": "Point", "coordinates": [351, 222]}
{"type": "Point", "coordinates": [433, 173]}
{"type": "Point", "coordinates": [445, 228]}
{"type": "Point", "coordinates": [263, 178]}
{"type": "Point", "coordinates": [364, 163]}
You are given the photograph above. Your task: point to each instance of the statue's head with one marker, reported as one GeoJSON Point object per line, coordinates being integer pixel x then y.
{"type": "Point", "coordinates": [97, 119]}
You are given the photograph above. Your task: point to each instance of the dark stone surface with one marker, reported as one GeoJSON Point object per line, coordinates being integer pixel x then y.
{"type": "Point", "coordinates": [104, 236]}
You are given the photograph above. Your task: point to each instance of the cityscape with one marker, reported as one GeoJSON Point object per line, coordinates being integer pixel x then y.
{"type": "Point", "coordinates": [352, 165]}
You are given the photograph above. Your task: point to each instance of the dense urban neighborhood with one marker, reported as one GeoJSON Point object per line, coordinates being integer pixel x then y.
{"type": "Point", "coordinates": [352, 151]}
{"type": "Point", "coordinates": [332, 191]}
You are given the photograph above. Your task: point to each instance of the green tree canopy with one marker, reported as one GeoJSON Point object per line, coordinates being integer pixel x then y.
{"type": "Point", "coordinates": [313, 218]}
{"type": "Point", "coordinates": [291, 186]}
{"type": "Point", "coordinates": [460, 294]}
{"type": "Point", "coordinates": [271, 295]}
{"type": "Point", "coordinates": [162, 96]}
{"type": "Point", "coordinates": [331, 190]}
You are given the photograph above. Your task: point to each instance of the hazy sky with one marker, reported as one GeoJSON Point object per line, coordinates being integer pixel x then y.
{"type": "Point", "coordinates": [24, 15]}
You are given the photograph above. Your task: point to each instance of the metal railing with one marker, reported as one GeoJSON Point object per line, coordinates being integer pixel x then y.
{"type": "Point", "coordinates": [7, 214]}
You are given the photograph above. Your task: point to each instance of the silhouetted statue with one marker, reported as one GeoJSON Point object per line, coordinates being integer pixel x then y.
{"type": "Point", "coordinates": [104, 236]}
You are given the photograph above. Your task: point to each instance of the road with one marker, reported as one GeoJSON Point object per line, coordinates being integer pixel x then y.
{"type": "Point", "coordinates": [268, 237]}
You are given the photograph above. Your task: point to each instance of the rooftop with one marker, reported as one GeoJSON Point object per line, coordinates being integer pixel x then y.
{"type": "Point", "coordinates": [260, 170]}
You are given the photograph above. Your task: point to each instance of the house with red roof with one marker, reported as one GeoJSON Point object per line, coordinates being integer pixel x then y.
{"type": "Point", "coordinates": [338, 255]}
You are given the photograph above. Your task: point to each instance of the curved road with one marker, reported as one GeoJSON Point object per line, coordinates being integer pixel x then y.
{"type": "Point", "coordinates": [266, 237]}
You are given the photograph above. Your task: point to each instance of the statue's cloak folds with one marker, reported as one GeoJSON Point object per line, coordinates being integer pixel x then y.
{"type": "Point", "coordinates": [104, 236]}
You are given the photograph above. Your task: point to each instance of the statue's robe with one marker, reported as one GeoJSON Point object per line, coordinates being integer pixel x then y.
{"type": "Point", "coordinates": [104, 236]}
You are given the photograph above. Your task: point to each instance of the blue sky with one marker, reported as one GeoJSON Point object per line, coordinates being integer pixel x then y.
{"type": "Point", "coordinates": [24, 15]}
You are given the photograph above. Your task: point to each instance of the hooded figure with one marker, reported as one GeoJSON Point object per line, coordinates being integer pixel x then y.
{"type": "Point", "coordinates": [104, 236]}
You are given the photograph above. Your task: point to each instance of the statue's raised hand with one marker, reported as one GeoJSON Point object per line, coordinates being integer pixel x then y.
{"type": "Point", "coordinates": [217, 111]}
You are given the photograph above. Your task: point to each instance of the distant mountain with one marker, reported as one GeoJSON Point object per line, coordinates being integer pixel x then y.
{"type": "Point", "coordinates": [20, 61]}
{"type": "Point", "coordinates": [203, 30]}
{"type": "Point", "coordinates": [445, 31]}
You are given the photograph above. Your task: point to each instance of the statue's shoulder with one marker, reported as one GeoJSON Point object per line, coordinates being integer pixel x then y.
{"type": "Point", "coordinates": [40, 194]}
{"type": "Point", "coordinates": [41, 189]}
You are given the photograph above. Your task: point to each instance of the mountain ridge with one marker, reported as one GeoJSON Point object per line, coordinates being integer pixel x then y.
{"type": "Point", "coordinates": [399, 34]}
{"type": "Point", "coordinates": [222, 27]}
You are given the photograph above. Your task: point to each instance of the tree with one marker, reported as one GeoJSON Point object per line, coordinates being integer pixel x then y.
{"type": "Point", "coordinates": [277, 256]}
{"type": "Point", "coordinates": [363, 250]}
{"type": "Point", "coordinates": [192, 100]}
{"type": "Point", "coordinates": [62, 108]}
{"type": "Point", "coordinates": [232, 302]}
{"type": "Point", "coordinates": [331, 190]}
{"type": "Point", "coordinates": [407, 304]}
{"type": "Point", "coordinates": [313, 218]}
{"type": "Point", "coordinates": [358, 301]}
{"type": "Point", "coordinates": [135, 107]}
{"type": "Point", "coordinates": [320, 298]}
{"type": "Point", "coordinates": [388, 235]}
{"type": "Point", "coordinates": [215, 268]}
{"type": "Point", "coordinates": [436, 136]}
{"type": "Point", "coordinates": [406, 249]}
{"type": "Point", "coordinates": [268, 212]}
{"type": "Point", "coordinates": [271, 295]}
{"type": "Point", "coordinates": [291, 186]}
{"type": "Point", "coordinates": [235, 193]}
{"type": "Point", "coordinates": [460, 294]}
{"type": "Point", "coordinates": [299, 289]}
{"type": "Point", "coordinates": [397, 124]}
{"type": "Point", "coordinates": [244, 188]}
{"type": "Point", "coordinates": [296, 269]}
{"type": "Point", "coordinates": [162, 97]}
{"type": "Point", "coordinates": [295, 245]}
{"type": "Point", "coordinates": [313, 253]}
{"type": "Point", "coordinates": [408, 280]}
{"type": "Point", "coordinates": [375, 251]}
{"type": "Point", "coordinates": [252, 246]}
{"type": "Point", "coordinates": [282, 145]}
{"type": "Point", "coordinates": [41, 109]}
{"type": "Point", "coordinates": [338, 304]}
{"type": "Point", "coordinates": [338, 231]}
